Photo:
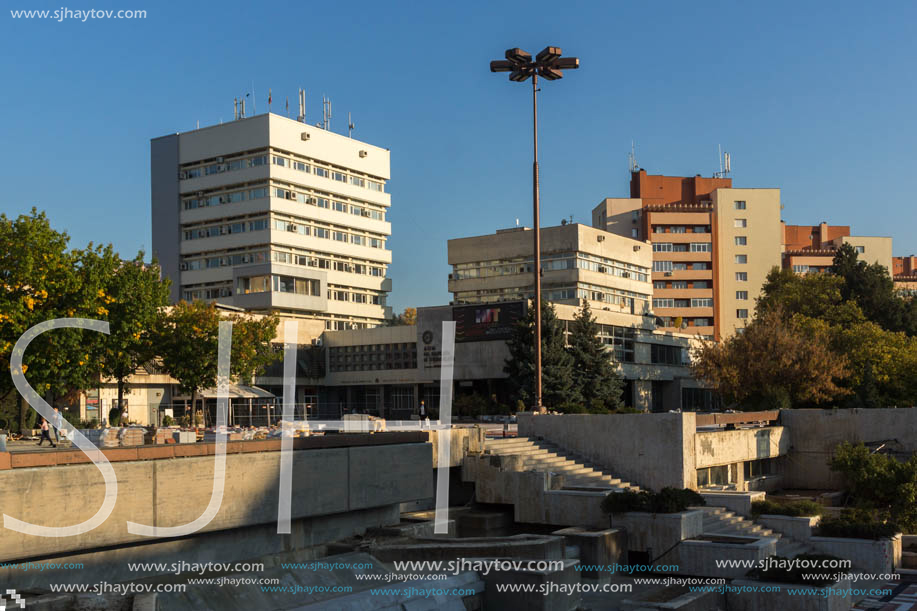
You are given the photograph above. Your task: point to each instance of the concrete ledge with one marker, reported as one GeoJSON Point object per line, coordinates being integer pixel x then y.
{"type": "Point", "coordinates": [738, 502]}
{"type": "Point", "coordinates": [539, 547]}
{"type": "Point", "coordinates": [658, 532]}
{"type": "Point", "coordinates": [781, 600]}
{"type": "Point", "coordinates": [597, 548]}
{"type": "Point", "coordinates": [873, 556]}
{"type": "Point", "coordinates": [799, 528]}
{"type": "Point", "coordinates": [698, 557]}
{"type": "Point", "coordinates": [51, 458]}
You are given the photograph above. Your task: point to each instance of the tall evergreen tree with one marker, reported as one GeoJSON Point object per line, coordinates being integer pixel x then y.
{"type": "Point", "coordinates": [593, 367]}
{"type": "Point", "coordinates": [558, 389]}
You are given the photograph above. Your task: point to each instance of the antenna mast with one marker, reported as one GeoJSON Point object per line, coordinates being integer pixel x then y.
{"type": "Point", "coordinates": [632, 158]}
{"type": "Point", "coordinates": [302, 106]}
{"type": "Point", "coordinates": [326, 113]}
{"type": "Point", "coordinates": [350, 126]}
{"type": "Point", "coordinates": [725, 164]}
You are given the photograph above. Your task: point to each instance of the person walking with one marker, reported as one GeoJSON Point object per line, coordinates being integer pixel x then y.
{"type": "Point", "coordinates": [56, 421]}
{"type": "Point", "coordinates": [46, 434]}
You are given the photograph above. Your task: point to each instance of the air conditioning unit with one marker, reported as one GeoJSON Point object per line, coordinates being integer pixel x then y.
{"type": "Point", "coordinates": [363, 154]}
{"type": "Point", "coordinates": [313, 200]}
{"type": "Point", "coordinates": [182, 175]}
{"type": "Point", "coordinates": [183, 267]}
{"type": "Point", "coordinates": [366, 213]}
{"type": "Point", "coordinates": [291, 195]}
{"type": "Point", "coordinates": [602, 270]}
{"type": "Point", "coordinates": [625, 275]}
{"type": "Point", "coordinates": [224, 230]}
{"type": "Point", "coordinates": [668, 273]}
{"type": "Point", "coordinates": [292, 227]}
{"type": "Point", "coordinates": [246, 258]}
{"type": "Point", "coordinates": [600, 238]}
{"type": "Point", "coordinates": [305, 136]}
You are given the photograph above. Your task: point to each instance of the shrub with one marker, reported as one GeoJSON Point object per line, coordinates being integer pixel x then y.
{"type": "Point", "coordinates": [167, 420]}
{"type": "Point", "coordinates": [667, 500]}
{"type": "Point", "coordinates": [114, 417]}
{"type": "Point", "coordinates": [857, 524]}
{"type": "Point", "coordinates": [777, 572]}
{"type": "Point", "coordinates": [792, 508]}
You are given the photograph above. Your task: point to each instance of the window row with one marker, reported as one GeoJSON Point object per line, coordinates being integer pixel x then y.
{"type": "Point", "coordinates": [260, 160]}
{"type": "Point", "coordinates": [324, 202]}
{"type": "Point", "coordinates": [672, 266]}
{"type": "Point", "coordinates": [333, 174]}
{"type": "Point", "coordinates": [327, 263]}
{"type": "Point", "coordinates": [521, 265]}
{"type": "Point", "coordinates": [681, 284]}
{"type": "Point", "coordinates": [213, 231]}
{"type": "Point", "coordinates": [668, 302]}
{"type": "Point", "coordinates": [681, 229]}
{"type": "Point", "coordinates": [326, 233]}
{"type": "Point", "coordinates": [663, 354]}
{"type": "Point", "coordinates": [690, 247]}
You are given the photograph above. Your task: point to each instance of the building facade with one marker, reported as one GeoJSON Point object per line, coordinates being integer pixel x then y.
{"type": "Point", "coordinates": [578, 262]}
{"type": "Point", "coordinates": [273, 215]}
{"type": "Point", "coordinates": [712, 244]}
{"type": "Point", "coordinates": [811, 248]}
{"type": "Point", "coordinates": [904, 273]}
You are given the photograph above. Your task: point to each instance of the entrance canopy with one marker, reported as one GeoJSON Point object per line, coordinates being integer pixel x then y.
{"type": "Point", "coordinates": [237, 391]}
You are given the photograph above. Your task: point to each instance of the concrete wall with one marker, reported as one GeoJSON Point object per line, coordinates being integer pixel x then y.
{"type": "Point", "coordinates": [814, 434]}
{"type": "Point", "coordinates": [872, 556]}
{"type": "Point", "coordinates": [699, 557]}
{"type": "Point", "coordinates": [737, 502]}
{"type": "Point", "coordinates": [650, 450]}
{"type": "Point", "coordinates": [792, 527]}
{"type": "Point", "coordinates": [830, 598]}
{"type": "Point", "coordinates": [714, 448]}
{"type": "Point", "coordinates": [659, 533]}
{"type": "Point", "coordinates": [175, 492]}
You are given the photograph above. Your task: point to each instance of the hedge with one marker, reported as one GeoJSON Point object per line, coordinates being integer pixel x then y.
{"type": "Point", "coordinates": [667, 500]}
{"type": "Point", "coordinates": [793, 508]}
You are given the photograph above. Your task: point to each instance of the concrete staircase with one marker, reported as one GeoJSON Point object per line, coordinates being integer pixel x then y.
{"type": "Point", "coordinates": [539, 455]}
{"type": "Point", "coordinates": [721, 521]}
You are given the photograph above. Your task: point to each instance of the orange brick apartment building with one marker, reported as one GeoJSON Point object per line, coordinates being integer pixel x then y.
{"type": "Point", "coordinates": [713, 246]}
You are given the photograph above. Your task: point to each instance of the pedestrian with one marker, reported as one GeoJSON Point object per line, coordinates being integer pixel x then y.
{"type": "Point", "coordinates": [423, 411]}
{"type": "Point", "coordinates": [45, 433]}
{"type": "Point", "coordinates": [56, 421]}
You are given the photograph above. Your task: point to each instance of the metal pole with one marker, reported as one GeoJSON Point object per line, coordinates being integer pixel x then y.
{"type": "Point", "coordinates": [537, 246]}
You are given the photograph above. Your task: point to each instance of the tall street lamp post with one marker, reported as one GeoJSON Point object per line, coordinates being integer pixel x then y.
{"type": "Point", "coordinates": [550, 65]}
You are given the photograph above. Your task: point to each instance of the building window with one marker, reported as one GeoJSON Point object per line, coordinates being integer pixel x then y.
{"type": "Point", "coordinates": [741, 259]}
{"type": "Point", "coordinates": [741, 240]}
{"type": "Point", "coordinates": [701, 246]}
{"type": "Point", "coordinates": [659, 284]}
{"type": "Point", "coordinates": [634, 233]}
{"type": "Point", "coordinates": [742, 276]}
{"type": "Point", "coordinates": [702, 322]}
{"type": "Point", "coordinates": [678, 229]}
{"type": "Point", "coordinates": [701, 229]}
{"type": "Point", "coordinates": [701, 284]}
{"type": "Point", "coordinates": [800, 269]}
{"type": "Point", "coordinates": [742, 295]}
{"type": "Point", "coordinates": [680, 284]}
{"type": "Point", "coordinates": [663, 303]}
{"type": "Point", "coordinates": [662, 247]}
{"type": "Point", "coordinates": [740, 205]}
{"type": "Point", "coordinates": [661, 354]}
{"type": "Point", "coordinates": [704, 302]}
{"type": "Point", "coordinates": [741, 223]}
{"type": "Point", "coordinates": [742, 314]}
{"type": "Point", "coordinates": [662, 266]}
{"type": "Point", "coordinates": [860, 249]}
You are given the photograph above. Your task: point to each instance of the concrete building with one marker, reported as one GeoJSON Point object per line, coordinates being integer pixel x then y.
{"type": "Point", "coordinates": [578, 262]}
{"type": "Point", "coordinates": [713, 246]}
{"type": "Point", "coordinates": [811, 248]}
{"type": "Point", "coordinates": [273, 215]}
{"type": "Point", "coordinates": [904, 272]}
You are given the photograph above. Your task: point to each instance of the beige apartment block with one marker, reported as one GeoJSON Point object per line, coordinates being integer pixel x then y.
{"type": "Point", "coordinates": [273, 215]}
{"type": "Point", "coordinates": [578, 262]}
{"type": "Point", "coordinates": [742, 265]}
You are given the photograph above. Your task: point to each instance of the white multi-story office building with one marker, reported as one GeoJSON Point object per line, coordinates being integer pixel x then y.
{"type": "Point", "coordinates": [274, 215]}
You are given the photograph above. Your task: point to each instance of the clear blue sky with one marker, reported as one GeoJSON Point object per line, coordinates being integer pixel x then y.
{"type": "Point", "coordinates": [816, 100]}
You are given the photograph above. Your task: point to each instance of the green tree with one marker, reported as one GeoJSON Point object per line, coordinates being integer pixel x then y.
{"type": "Point", "coordinates": [188, 341]}
{"type": "Point", "coordinates": [134, 294]}
{"type": "Point", "coordinates": [40, 280]}
{"type": "Point", "coordinates": [879, 484]}
{"type": "Point", "coordinates": [557, 386]}
{"type": "Point", "coordinates": [817, 296]}
{"type": "Point", "coordinates": [594, 372]}
{"type": "Point", "coordinates": [873, 290]}
{"type": "Point", "coordinates": [774, 363]}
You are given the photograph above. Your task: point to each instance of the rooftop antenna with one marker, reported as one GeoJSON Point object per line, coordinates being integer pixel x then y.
{"type": "Point", "coordinates": [302, 106]}
{"type": "Point", "coordinates": [242, 107]}
{"type": "Point", "coordinates": [254, 101]}
{"type": "Point", "coordinates": [632, 157]}
{"type": "Point", "coordinates": [350, 126]}
{"type": "Point", "coordinates": [235, 109]}
{"type": "Point", "coordinates": [571, 219]}
{"type": "Point", "coordinates": [725, 164]}
{"type": "Point", "coordinates": [288, 107]}
{"type": "Point", "coordinates": [326, 113]}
